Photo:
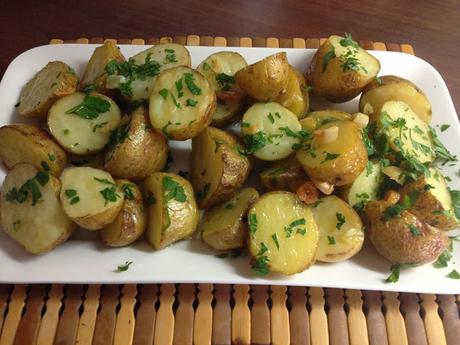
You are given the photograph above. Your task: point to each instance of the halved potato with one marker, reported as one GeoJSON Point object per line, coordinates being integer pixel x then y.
{"type": "Point", "coordinates": [341, 69]}
{"type": "Point", "coordinates": [30, 211]}
{"type": "Point", "coordinates": [90, 197]}
{"type": "Point", "coordinates": [82, 123]}
{"type": "Point", "coordinates": [224, 226]}
{"type": "Point", "coordinates": [219, 68]}
{"type": "Point", "coordinates": [265, 79]}
{"type": "Point", "coordinates": [286, 175]}
{"type": "Point", "coordinates": [295, 96]}
{"type": "Point", "coordinates": [218, 169]}
{"type": "Point", "coordinates": [172, 211]}
{"type": "Point", "coordinates": [131, 221]}
{"type": "Point", "coordinates": [52, 82]}
{"type": "Point", "coordinates": [271, 132]}
{"type": "Point", "coordinates": [95, 73]}
{"type": "Point", "coordinates": [22, 143]}
{"type": "Point", "coordinates": [182, 103]}
{"type": "Point", "coordinates": [283, 236]}
{"type": "Point", "coordinates": [391, 88]}
{"type": "Point", "coordinates": [337, 160]}
{"type": "Point", "coordinates": [316, 119]}
{"type": "Point", "coordinates": [406, 132]}
{"type": "Point", "coordinates": [139, 150]}
{"type": "Point", "coordinates": [341, 232]}
{"type": "Point", "coordinates": [433, 204]}
{"type": "Point", "coordinates": [401, 237]}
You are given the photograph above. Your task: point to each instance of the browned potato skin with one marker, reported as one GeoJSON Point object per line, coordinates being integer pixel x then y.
{"type": "Point", "coordinates": [414, 101]}
{"type": "Point", "coordinates": [295, 96]}
{"type": "Point", "coordinates": [67, 85]}
{"type": "Point", "coordinates": [131, 221]}
{"type": "Point", "coordinates": [286, 175]}
{"type": "Point", "coordinates": [265, 79]}
{"type": "Point", "coordinates": [425, 204]}
{"type": "Point", "coordinates": [334, 84]}
{"type": "Point", "coordinates": [142, 153]}
{"type": "Point", "coordinates": [393, 239]}
{"type": "Point", "coordinates": [22, 143]}
{"type": "Point", "coordinates": [95, 69]}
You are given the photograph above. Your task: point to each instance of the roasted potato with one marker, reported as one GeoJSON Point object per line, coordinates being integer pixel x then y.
{"type": "Point", "coordinates": [365, 187]}
{"type": "Point", "coordinates": [137, 150]}
{"type": "Point", "coordinates": [265, 79]}
{"type": "Point", "coordinates": [217, 169]}
{"type": "Point", "coordinates": [341, 69]}
{"type": "Point", "coordinates": [90, 197]}
{"type": "Point", "coordinates": [283, 236]}
{"type": "Point", "coordinates": [405, 132]}
{"type": "Point", "coordinates": [295, 96]}
{"type": "Point", "coordinates": [82, 123]}
{"type": "Point", "coordinates": [270, 131]}
{"type": "Point", "coordinates": [335, 155]}
{"type": "Point", "coordinates": [182, 103]}
{"type": "Point", "coordinates": [135, 79]}
{"type": "Point", "coordinates": [219, 68]}
{"type": "Point", "coordinates": [21, 143]}
{"type": "Point", "coordinates": [433, 204]}
{"type": "Point", "coordinates": [392, 88]}
{"type": "Point", "coordinates": [224, 226]}
{"type": "Point", "coordinates": [341, 232]}
{"type": "Point", "coordinates": [316, 119]}
{"type": "Point", "coordinates": [131, 221]}
{"type": "Point", "coordinates": [286, 175]}
{"type": "Point", "coordinates": [52, 82]}
{"type": "Point", "coordinates": [95, 75]}
{"type": "Point", "coordinates": [401, 237]}
{"type": "Point", "coordinates": [172, 211]}
{"type": "Point", "coordinates": [30, 211]}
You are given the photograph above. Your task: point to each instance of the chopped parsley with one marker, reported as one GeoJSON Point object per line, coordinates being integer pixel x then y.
{"type": "Point", "coordinates": [455, 196]}
{"type": "Point", "coordinates": [104, 181]}
{"type": "Point", "coordinates": [328, 57]}
{"type": "Point", "coordinates": [348, 41]}
{"type": "Point", "coordinates": [90, 108]}
{"type": "Point", "coordinates": [330, 157]}
{"type": "Point", "coordinates": [427, 187]}
{"type": "Point", "coordinates": [263, 249]}
{"type": "Point", "coordinates": [202, 194]}
{"type": "Point", "coordinates": [255, 142]}
{"type": "Point", "coordinates": [444, 127]}
{"type": "Point", "coordinates": [51, 157]}
{"type": "Point", "coordinates": [173, 190]}
{"type": "Point", "coordinates": [350, 62]}
{"type": "Point", "coordinates": [128, 191]}
{"type": "Point", "coordinates": [369, 168]}
{"type": "Point", "coordinates": [179, 88]}
{"type": "Point", "coordinates": [379, 81]}
{"type": "Point", "coordinates": [260, 266]}
{"type": "Point", "coordinates": [72, 195]}
{"type": "Point", "coordinates": [414, 230]}
{"type": "Point", "coordinates": [165, 92]}
{"type": "Point", "coordinates": [340, 220]}
{"type": "Point", "coordinates": [396, 209]}
{"type": "Point", "coordinates": [150, 199]}
{"type": "Point", "coordinates": [109, 194]}
{"type": "Point", "coordinates": [252, 222]}
{"type": "Point", "coordinates": [394, 276]}
{"type": "Point", "coordinates": [91, 87]}
{"type": "Point", "coordinates": [30, 186]}
{"type": "Point", "coordinates": [190, 102]}
{"type": "Point", "coordinates": [229, 206]}
{"type": "Point", "coordinates": [275, 239]}
{"type": "Point", "coordinates": [291, 227]}
{"type": "Point", "coordinates": [124, 267]}
{"type": "Point", "coordinates": [331, 240]}
{"type": "Point", "coordinates": [118, 136]}
{"type": "Point", "coordinates": [98, 125]}
{"type": "Point", "coordinates": [454, 275]}
{"type": "Point", "coordinates": [443, 259]}
{"type": "Point", "coordinates": [45, 166]}
{"type": "Point", "coordinates": [190, 82]}
{"type": "Point", "coordinates": [225, 81]}
{"type": "Point", "coordinates": [170, 55]}
{"type": "Point", "coordinates": [66, 131]}
{"type": "Point", "coordinates": [271, 118]}
{"type": "Point", "coordinates": [206, 66]}
{"type": "Point", "coordinates": [440, 150]}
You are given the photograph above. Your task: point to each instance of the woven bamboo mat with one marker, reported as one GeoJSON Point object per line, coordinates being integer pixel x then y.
{"type": "Point", "coordinates": [224, 314]}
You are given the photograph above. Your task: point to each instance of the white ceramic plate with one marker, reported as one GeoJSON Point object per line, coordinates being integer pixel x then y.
{"type": "Point", "coordinates": [88, 261]}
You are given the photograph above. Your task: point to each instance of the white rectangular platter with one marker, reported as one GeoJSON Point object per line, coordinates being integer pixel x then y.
{"type": "Point", "coordinates": [89, 261]}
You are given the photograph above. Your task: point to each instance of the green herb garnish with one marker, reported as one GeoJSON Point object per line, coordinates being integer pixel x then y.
{"type": "Point", "coordinates": [454, 275]}
{"type": "Point", "coordinates": [190, 82]}
{"type": "Point", "coordinates": [275, 239]}
{"type": "Point", "coordinates": [328, 57]}
{"type": "Point", "coordinates": [72, 195]}
{"type": "Point", "coordinates": [394, 276]}
{"type": "Point", "coordinates": [124, 267]}
{"type": "Point", "coordinates": [173, 190]}
{"type": "Point", "coordinates": [90, 108]}
{"type": "Point", "coordinates": [340, 220]}
{"type": "Point", "coordinates": [331, 240]}
{"type": "Point", "coordinates": [128, 191]}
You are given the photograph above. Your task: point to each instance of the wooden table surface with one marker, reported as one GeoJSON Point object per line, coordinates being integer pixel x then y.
{"type": "Point", "coordinates": [430, 26]}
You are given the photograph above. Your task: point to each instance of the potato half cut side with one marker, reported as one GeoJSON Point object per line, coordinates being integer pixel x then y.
{"type": "Point", "coordinates": [391, 88]}
{"type": "Point", "coordinates": [340, 69]}
{"type": "Point", "coordinates": [271, 132]}
{"type": "Point", "coordinates": [172, 211]}
{"type": "Point", "coordinates": [182, 103]}
{"type": "Point", "coordinates": [82, 123]}
{"type": "Point", "coordinates": [131, 221]}
{"type": "Point", "coordinates": [218, 169]}
{"type": "Point", "coordinates": [90, 197]}
{"type": "Point", "coordinates": [219, 68]}
{"type": "Point", "coordinates": [52, 82]}
{"type": "Point", "coordinates": [265, 79]}
{"type": "Point", "coordinates": [341, 232]}
{"type": "Point", "coordinates": [95, 74]}
{"type": "Point", "coordinates": [30, 211]}
{"type": "Point", "coordinates": [316, 119]}
{"type": "Point", "coordinates": [22, 143]}
{"type": "Point", "coordinates": [295, 96]}
{"type": "Point", "coordinates": [136, 149]}
{"type": "Point", "coordinates": [224, 226]}
{"type": "Point", "coordinates": [283, 236]}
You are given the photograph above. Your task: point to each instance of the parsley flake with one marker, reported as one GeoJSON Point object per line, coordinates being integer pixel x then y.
{"type": "Point", "coordinates": [90, 108]}
{"type": "Point", "coordinates": [124, 267]}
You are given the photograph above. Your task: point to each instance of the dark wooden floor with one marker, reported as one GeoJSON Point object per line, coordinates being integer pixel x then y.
{"type": "Point", "coordinates": [430, 26]}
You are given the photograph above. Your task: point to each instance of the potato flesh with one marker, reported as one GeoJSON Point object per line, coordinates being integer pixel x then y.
{"type": "Point", "coordinates": [36, 147]}
{"type": "Point", "coordinates": [414, 130]}
{"type": "Point", "coordinates": [295, 97]}
{"type": "Point", "coordinates": [318, 118]}
{"type": "Point", "coordinates": [223, 227]}
{"type": "Point", "coordinates": [267, 119]}
{"type": "Point", "coordinates": [274, 211]}
{"type": "Point", "coordinates": [79, 135]}
{"type": "Point", "coordinates": [40, 227]}
{"type": "Point", "coordinates": [181, 122]}
{"type": "Point", "coordinates": [169, 220]}
{"type": "Point", "coordinates": [341, 233]}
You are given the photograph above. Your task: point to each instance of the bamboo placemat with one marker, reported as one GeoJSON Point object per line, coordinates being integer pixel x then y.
{"type": "Point", "coordinates": [205, 314]}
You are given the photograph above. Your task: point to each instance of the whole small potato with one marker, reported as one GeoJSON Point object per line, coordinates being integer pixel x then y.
{"type": "Point", "coordinates": [295, 96]}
